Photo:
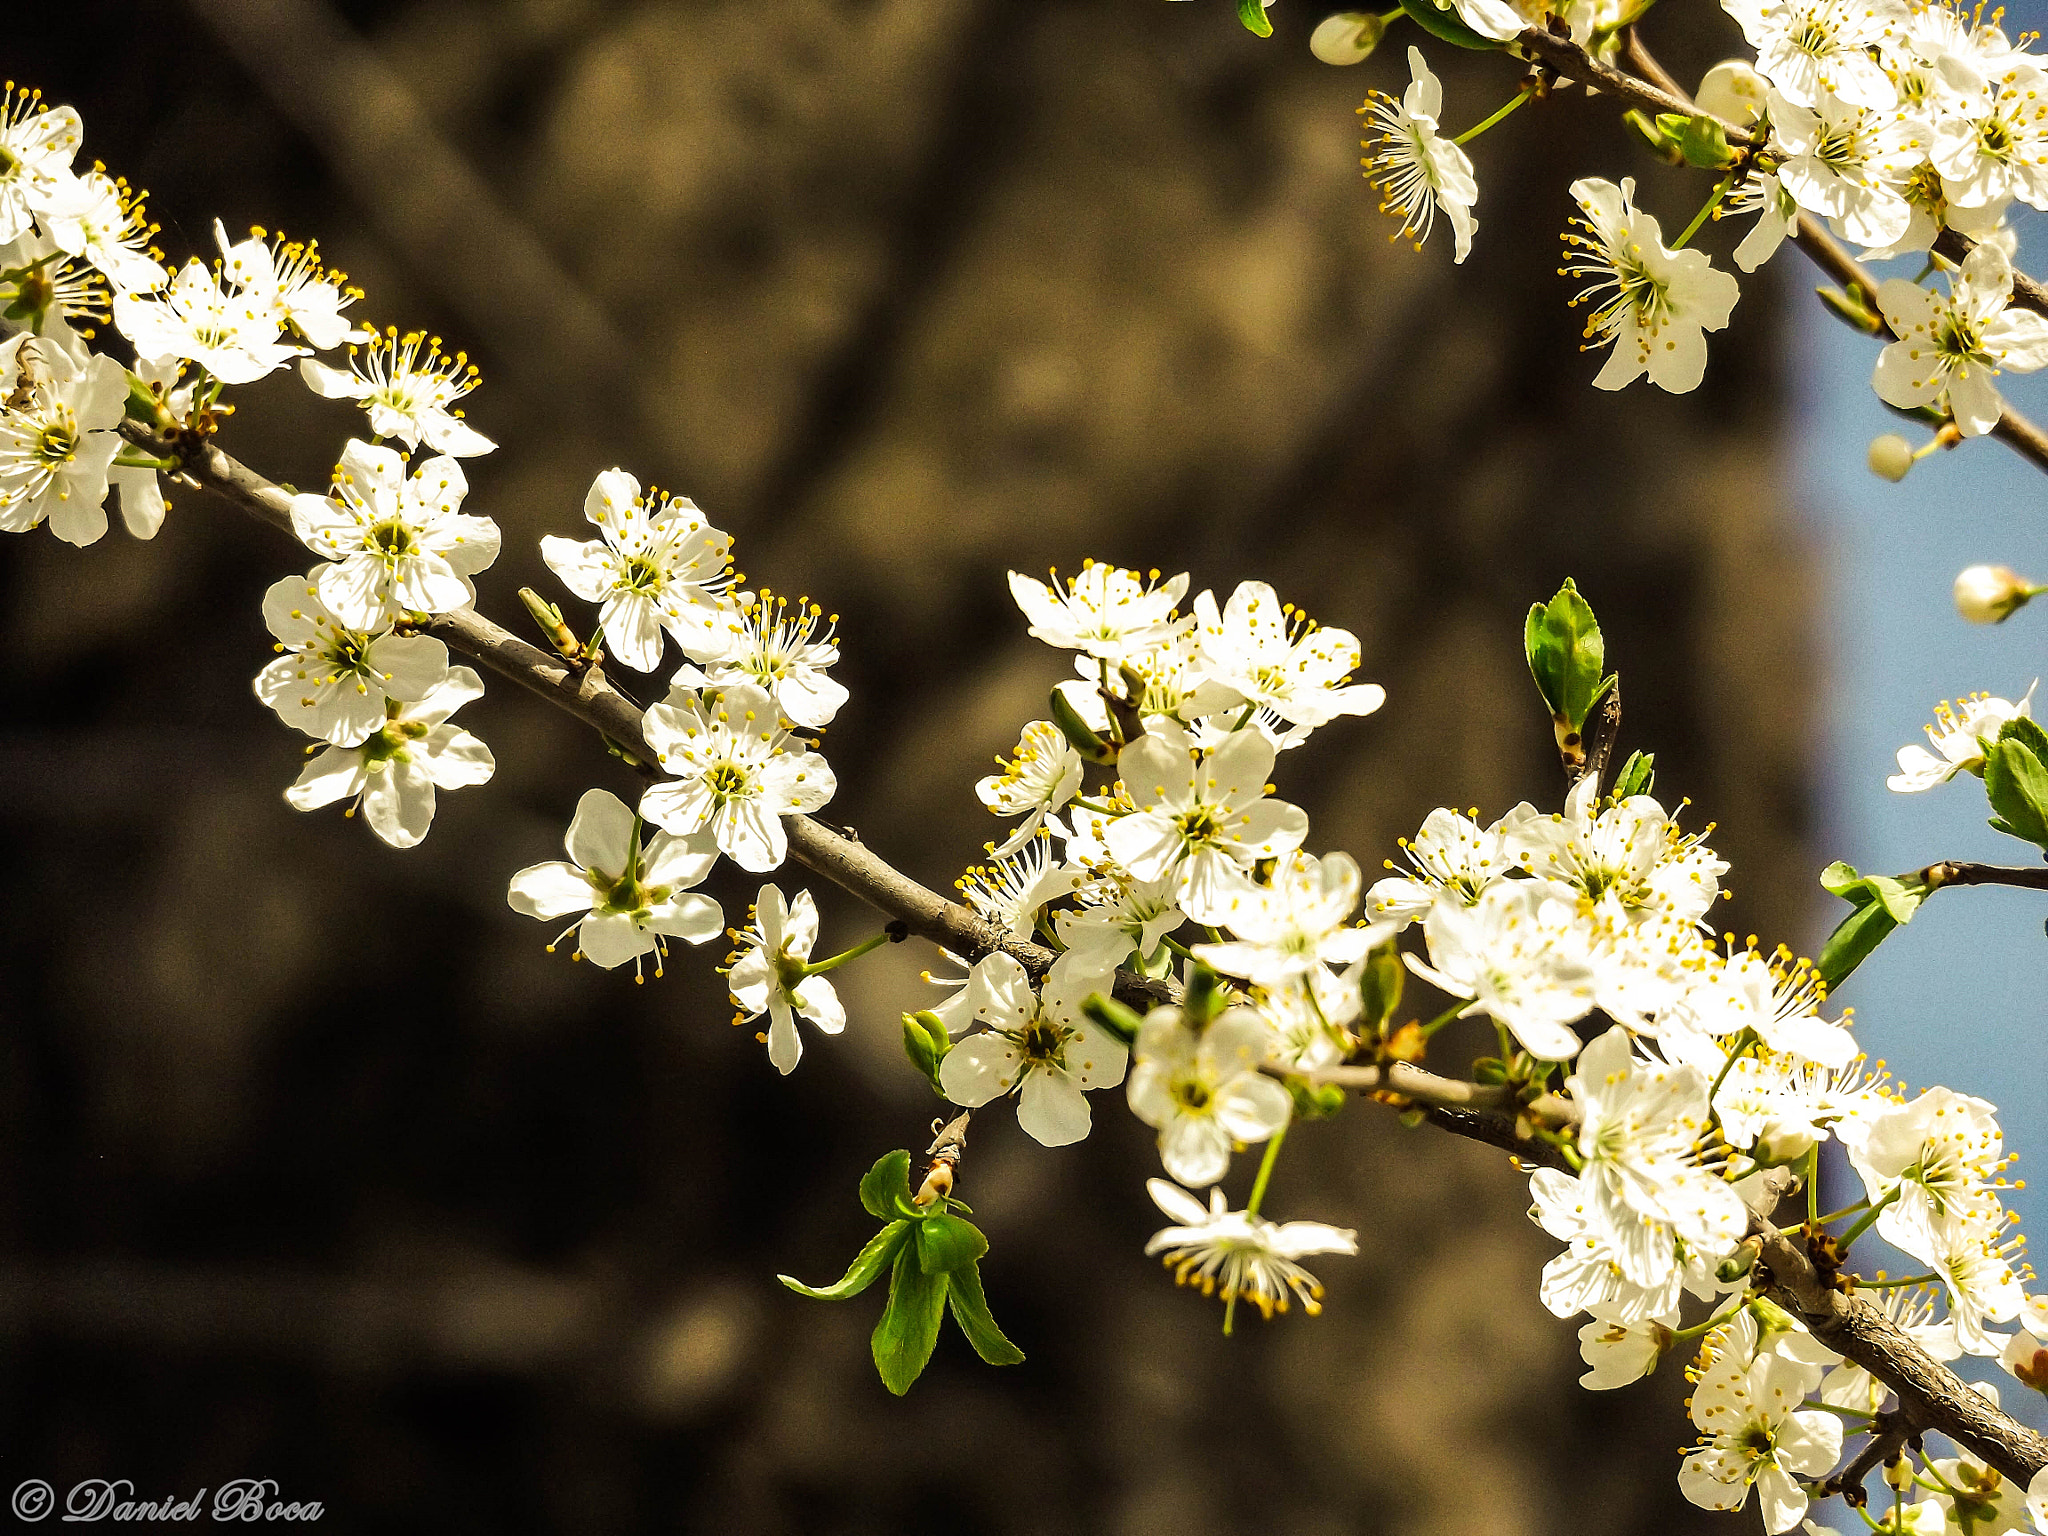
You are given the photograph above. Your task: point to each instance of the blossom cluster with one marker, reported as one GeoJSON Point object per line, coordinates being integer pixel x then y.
{"type": "Point", "coordinates": [1895, 123]}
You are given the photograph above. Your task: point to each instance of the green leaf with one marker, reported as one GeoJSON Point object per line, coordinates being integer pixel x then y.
{"type": "Point", "coordinates": [1380, 983]}
{"type": "Point", "coordinates": [903, 1339]}
{"type": "Point", "coordinates": [925, 1042]}
{"type": "Point", "coordinates": [946, 1242]}
{"type": "Point", "coordinates": [1253, 14]}
{"type": "Point", "coordinates": [1852, 941]}
{"type": "Point", "coordinates": [1567, 656]}
{"type": "Point", "coordinates": [1637, 777]}
{"type": "Point", "coordinates": [866, 1266]}
{"type": "Point", "coordinates": [1845, 880]}
{"type": "Point", "coordinates": [1444, 23]}
{"type": "Point", "coordinates": [2016, 780]}
{"type": "Point", "coordinates": [886, 1184]}
{"type": "Point", "coordinates": [970, 1311]}
{"type": "Point", "coordinates": [1704, 143]}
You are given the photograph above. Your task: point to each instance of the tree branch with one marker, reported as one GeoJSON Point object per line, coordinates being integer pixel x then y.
{"type": "Point", "coordinates": [587, 694]}
{"type": "Point", "coordinates": [1930, 1395]}
{"type": "Point", "coordinates": [1572, 62]}
{"type": "Point", "coordinates": [1949, 872]}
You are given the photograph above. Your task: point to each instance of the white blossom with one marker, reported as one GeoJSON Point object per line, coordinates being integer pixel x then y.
{"type": "Point", "coordinates": [1202, 1090]}
{"type": "Point", "coordinates": [36, 146]}
{"type": "Point", "coordinates": [628, 897]}
{"type": "Point", "coordinates": [1620, 1350]}
{"type": "Point", "coordinates": [778, 646]}
{"type": "Point", "coordinates": [57, 437]}
{"type": "Point", "coordinates": [1037, 782]}
{"type": "Point", "coordinates": [234, 337]}
{"type": "Point", "coordinates": [768, 975]}
{"type": "Point", "coordinates": [1518, 954]}
{"type": "Point", "coordinates": [1234, 1253]}
{"type": "Point", "coordinates": [1273, 656]}
{"type": "Point", "coordinates": [1104, 612]}
{"type": "Point", "coordinates": [1451, 853]}
{"type": "Point", "coordinates": [731, 767]}
{"type": "Point", "coordinates": [407, 384]}
{"type": "Point", "coordinates": [334, 682]}
{"type": "Point", "coordinates": [290, 279]}
{"type": "Point", "coordinates": [659, 566]}
{"type": "Point", "coordinates": [98, 219]}
{"type": "Point", "coordinates": [1961, 734]}
{"type": "Point", "coordinates": [1949, 350]}
{"type": "Point", "coordinates": [1298, 920]}
{"type": "Point", "coordinates": [1814, 50]}
{"type": "Point", "coordinates": [1010, 893]}
{"type": "Point", "coordinates": [1121, 920]}
{"type": "Point", "coordinates": [1038, 1044]}
{"type": "Point", "coordinates": [1650, 303]}
{"type": "Point", "coordinates": [1414, 168]}
{"type": "Point", "coordinates": [399, 545]}
{"type": "Point", "coordinates": [393, 774]}
{"type": "Point", "coordinates": [1754, 1435]}
{"type": "Point", "coordinates": [1204, 817]}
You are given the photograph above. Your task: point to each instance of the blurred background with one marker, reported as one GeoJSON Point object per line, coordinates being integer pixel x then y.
{"type": "Point", "coordinates": [315, 1167]}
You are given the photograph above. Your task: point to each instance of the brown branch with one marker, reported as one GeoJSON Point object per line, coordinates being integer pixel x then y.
{"type": "Point", "coordinates": [1571, 61]}
{"type": "Point", "coordinates": [1854, 1328]}
{"type": "Point", "coordinates": [1892, 1431]}
{"type": "Point", "coordinates": [585, 692]}
{"type": "Point", "coordinates": [2033, 877]}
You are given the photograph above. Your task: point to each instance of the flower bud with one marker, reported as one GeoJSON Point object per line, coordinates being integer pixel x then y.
{"type": "Point", "coordinates": [1991, 594]}
{"type": "Point", "coordinates": [1782, 1142]}
{"type": "Point", "coordinates": [1348, 37]}
{"type": "Point", "coordinates": [1732, 91]}
{"type": "Point", "coordinates": [1891, 456]}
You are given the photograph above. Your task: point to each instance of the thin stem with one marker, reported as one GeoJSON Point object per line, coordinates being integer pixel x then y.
{"type": "Point", "coordinates": [1095, 805]}
{"type": "Point", "coordinates": [1701, 1330]}
{"type": "Point", "coordinates": [1846, 1413]}
{"type": "Point", "coordinates": [129, 459]}
{"type": "Point", "coordinates": [1478, 128]}
{"type": "Point", "coordinates": [1720, 191]}
{"type": "Point", "coordinates": [1813, 1185]}
{"type": "Point", "coordinates": [1251, 1206]}
{"type": "Point", "coordinates": [819, 967]}
{"type": "Point", "coordinates": [1879, 1285]}
{"type": "Point", "coordinates": [1744, 1044]}
{"type": "Point", "coordinates": [1445, 1017]}
{"type": "Point", "coordinates": [1863, 1222]}
{"type": "Point", "coordinates": [1835, 1216]}
{"type": "Point", "coordinates": [1950, 872]}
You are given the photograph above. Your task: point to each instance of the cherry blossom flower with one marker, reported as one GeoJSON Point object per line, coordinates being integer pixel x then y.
{"type": "Point", "coordinates": [1202, 1090]}
{"type": "Point", "coordinates": [1450, 853]}
{"type": "Point", "coordinates": [398, 545]}
{"type": "Point", "coordinates": [1976, 1499]}
{"type": "Point", "coordinates": [1037, 782]}
{"type": "Point", "coordinates": [1849, 163]}
{"type": "Point", "coordinates": [57, 437]}
{"type": "Point", "coordinates": [1273, 656]}
{"type": "Point", "coordinates": [1237, 1254]}
{"type": "Point", "coordinates": [1415, 169]}
{"type": "Point", "coordinates": [406, 383]}
{"type": "Point", "coordinates": [1960, 733]}
{"type": "Point", "coordinates": [768, 975]}
{"type": "Point", "coordinates": [1518, 954]}
{"type": "Point", "coordinates": [776, 645]}
{"type": "Point", "coordinates": [36, 146]}
{"type": "Point", "coordinates": [335, 682]}
{"type": "Point", "coordinates": [1754, 1435]}
{"type": "Point", "coordinates": [290, 279]}
{"type": "Point", "coordinates": [1779, 999]}
{"type": "Point", "coordinates": [1630, 857]}
{"type": "Point", "coordinates": [1121, 920]}
{"type": "Point", "coordinates": [1586, 1277]}
{"type": "Point", "coordinates": [630, 898]}
{"type": "Point", "coordinates": [1949, 350]}
{"type": "Point", "coordinates": [1991, 144]}
{"type": "Point", "coordinates": [1646, 1193]}
{"type": "Point", "coordinates": [393, 774]}
{"type": "Point", "coordinates": [659, 566]}
{"type": "Point", "coordinates": [1039, 1044]}
{"type": "Point", "coordinates": [1620, 1350]}
{"type": "Point", "coordinates": [1934, 1159]}
{"type": "Point", "coordinates": [1812, 50]}
{"type": "Point", "coordinates": [1297, 921]}
{"type": "Point", "coordinates": [1652, 304]}
{"type": "Point", "coordinates": [1010, 893]}
{"type": "Point", "coordinates": [731, 767]}
{"type": "Point", "coordinates": [99, 219]}
{"type": "Point", "coordinates": [234, 337]}
{"type": "Point", "coordinates": [1202, 817]}
{"type": "Point", "coordinates": [1777, 216]}
{"type": "Point", "coordinates": [1104, 612]}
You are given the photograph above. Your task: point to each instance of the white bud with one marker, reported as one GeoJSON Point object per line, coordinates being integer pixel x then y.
{"type": "Point", "coordinates": [1732, 91]}
{"type": "Point", "coordinates": [1991, 594]}
{"type": "Point", "coordinates": [1891, 456]}
{"type": "Point", "coordinates": [1348, 37]}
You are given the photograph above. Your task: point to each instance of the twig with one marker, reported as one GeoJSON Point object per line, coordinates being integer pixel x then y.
{"type": "Point", "coordinates": [1851, 1326]}
{"type": "Point", "coordinates": [1893, 1430]}
{"type": "Point", "coordinates": [2033, 877]}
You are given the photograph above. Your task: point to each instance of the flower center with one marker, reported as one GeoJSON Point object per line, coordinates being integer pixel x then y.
{"type": "Point", "coordinates": [58, 443]}
{"type": "Point", "coordinates": [640, 574]}
{"type": "Point", "coordinates": [727, 781]}
{"type": "Point", "coordinates": [1192, 1095]}
{"type": "Point", "coordinates": [1042, 1040]}
{"type": "Point", "coordinates": [393, 540]}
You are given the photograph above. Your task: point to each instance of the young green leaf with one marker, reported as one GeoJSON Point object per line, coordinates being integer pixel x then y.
{"type": "Point", "coordinates": [886, 1185]}
{"type": "Point", "coordinates": [1567, 656]}
{"type": "Point", "coordinates": [1637, 777]}
{"type": "Point", "coordinates": [945, 1242]}
{"type": "Point", "coordinates": [867, 1265]}
{"type": "Point", "coordinates": [2016, 781]}
{"type": "Point", "coordinates": [925, 1043]}
{"type": "Point", "coordinates": [1253, 14]}
{"type": "Point", "coordinates": [1882, 902]}
{"type": "Point", "coordinates": [909, 1328]}
{"type": "Point", "coordinates": [970, 1311]}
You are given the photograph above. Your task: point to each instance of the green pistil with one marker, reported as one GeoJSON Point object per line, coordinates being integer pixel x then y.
{"type": "Point", "coordinates": [640, 574]}
{"type": "Point", "coordinates": [58, 443]}
{"type": "Point", "coordinates": [393, 540]}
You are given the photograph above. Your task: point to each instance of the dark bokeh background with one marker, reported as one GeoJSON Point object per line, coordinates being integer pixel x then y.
{"type": "Point", "coordinates": [314, 1166]}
